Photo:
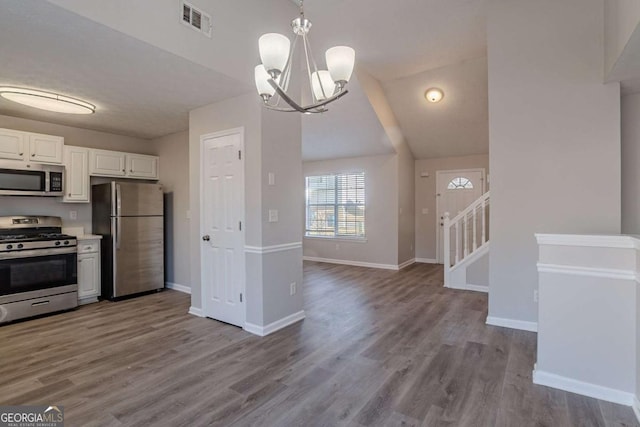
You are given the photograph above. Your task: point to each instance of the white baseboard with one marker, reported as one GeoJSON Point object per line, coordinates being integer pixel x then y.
{"type": "Point", "coordinates": [275, 326]}
{"type": "Point", "coordinates": [427, 261]}
{"type": "Point", "coordinates": [583, 388]}
{"type": "Point", "coordinates": [406, 263]}
{"type": "Point", "coordinates": [469, 287]}
{"type": "Point", "coordinates": [196, 311]}
{"type": "Point", "coordinates": [178, 287]}
{"type": "Point", "coordinates": [636, 407]}
{"type": "Point", "coordinates": [353, 263]}
{"type": "Point", "coordinates": [513, 324]}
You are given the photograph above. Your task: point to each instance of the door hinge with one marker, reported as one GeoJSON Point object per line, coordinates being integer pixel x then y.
{"type": "Point", "coordinates": [239, 155]}
{"type": "Point", "coordinates": [241, 297]}
{"type": "Point", "coordinates": [240, 225]}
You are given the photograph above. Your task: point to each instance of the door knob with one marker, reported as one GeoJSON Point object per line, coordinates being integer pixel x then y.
{"type": "Point", "coordinates": [206, 238]}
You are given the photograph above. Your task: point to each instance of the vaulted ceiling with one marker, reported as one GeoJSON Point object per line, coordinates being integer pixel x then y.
{"type": "Point", "coordinates": [145, 70]}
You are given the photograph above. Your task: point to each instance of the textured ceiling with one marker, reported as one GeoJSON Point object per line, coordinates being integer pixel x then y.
{"type": "Point", "coordinates": [401, 37]}
{"type": "Point", "coordinates": [458, 125]}
{"type": "Point", "coordinates": [349, 129]}
{"type": "Point", "coordinates": [145, 70]}
{"type": "Point", "coordinates": [139, 90]}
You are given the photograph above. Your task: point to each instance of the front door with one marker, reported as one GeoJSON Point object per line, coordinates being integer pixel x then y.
{"type": "Point", "coordinates": [222, 237]}
{"type": "Point", "coordinates": [455, 191]}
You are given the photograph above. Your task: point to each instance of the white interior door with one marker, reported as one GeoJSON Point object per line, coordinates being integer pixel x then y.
{"type": "Point", "coordinates": [456, 190]}
{"type": "Point", "coordinates": [221, 224]}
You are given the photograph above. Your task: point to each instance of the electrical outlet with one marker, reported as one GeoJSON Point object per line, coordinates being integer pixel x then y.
{"type": "Point", "coordinates": [272, 178]}
{"type": "Point", "coordinates": [73, 214]}
{"type": "Point", "coordinates": [273, 215]}
{"type": "Point", "coordinates": [535, 296]}
{"type": "Point", "coordinates": [188, 214]}
{"type": "Point", "coordinates": [425, 211]}
{"type": "Point", "coordinates": [292, 290]}
{"type": "Point", "coordinates": [337, 246]}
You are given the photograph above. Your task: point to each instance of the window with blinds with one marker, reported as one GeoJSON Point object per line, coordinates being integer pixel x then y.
{"type": "Point", "coordinates": [335, 205]}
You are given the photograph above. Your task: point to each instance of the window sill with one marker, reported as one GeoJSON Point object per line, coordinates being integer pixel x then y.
{"type": "Point", "coordinates": [339, 239]}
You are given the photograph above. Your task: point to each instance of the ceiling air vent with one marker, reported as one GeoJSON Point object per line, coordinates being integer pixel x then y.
{"type": "Point", "coordinates": [195, 18]}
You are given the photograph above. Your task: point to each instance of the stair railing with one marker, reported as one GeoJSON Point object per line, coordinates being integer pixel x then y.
{"type": "Point", "coordinates": [465, 233]}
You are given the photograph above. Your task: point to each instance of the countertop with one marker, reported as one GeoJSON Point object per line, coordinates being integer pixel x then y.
{"type": "Point", "coordinates": [89, 237]}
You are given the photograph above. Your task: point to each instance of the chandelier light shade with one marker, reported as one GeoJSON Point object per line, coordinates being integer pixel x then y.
{"type": "Point", "coordinates": [340, 61]}
{"type": "Point", "coordinates": [274, 74]}
{"type": "Point", "coordinates": [47, 100]}
{"type": "Point", "coordinates": [323, 85]}
{"type": "Point", "coordinates": [274, 52]}
{"type": "Point", "coordinates": [265, 90]}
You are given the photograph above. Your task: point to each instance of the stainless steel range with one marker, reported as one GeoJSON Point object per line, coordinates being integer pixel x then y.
{"type": "Point", "coordinates": [38, 267]}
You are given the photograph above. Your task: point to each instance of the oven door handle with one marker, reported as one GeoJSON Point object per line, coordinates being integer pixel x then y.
{"type": "Point", "coordinates": [37, 253]}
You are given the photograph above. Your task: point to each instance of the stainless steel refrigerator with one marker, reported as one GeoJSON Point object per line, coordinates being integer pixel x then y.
{"type": "Point", "coordinates": [130, 219]}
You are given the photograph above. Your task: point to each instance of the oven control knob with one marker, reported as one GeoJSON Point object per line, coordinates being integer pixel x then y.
{"type": "Point", "coordinates": [20, 246]}
{"type": "Point", "coordinates": [66, 242]}
{"type": "Point", "coordinates": [9, 247]}
{"type": "Point", "coordinates": [57, 243]}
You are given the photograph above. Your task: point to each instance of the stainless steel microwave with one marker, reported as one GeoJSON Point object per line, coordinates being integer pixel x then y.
{"type": "Point", "coordinates": [31, 179]}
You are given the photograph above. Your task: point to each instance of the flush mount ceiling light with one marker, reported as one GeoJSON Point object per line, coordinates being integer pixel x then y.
{"type": "Point", "coordinates": [434, 94]}
{"type": "Point", "coordinates": [47, 100]}
{"type": "Point", "coordinates": [273, 75]}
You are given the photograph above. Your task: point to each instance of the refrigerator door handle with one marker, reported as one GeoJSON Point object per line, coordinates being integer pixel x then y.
{"type": "Point", "coordinates": [117, 234]}
{"type": "Point", "coordinates": [118, 200]}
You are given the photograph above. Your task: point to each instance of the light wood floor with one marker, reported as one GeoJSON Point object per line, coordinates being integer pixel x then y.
{"type": "Point", "coordinates": [377, 348]}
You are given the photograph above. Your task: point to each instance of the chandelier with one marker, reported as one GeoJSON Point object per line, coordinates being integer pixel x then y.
{"type": "Point", "coordinates": [274, 74]}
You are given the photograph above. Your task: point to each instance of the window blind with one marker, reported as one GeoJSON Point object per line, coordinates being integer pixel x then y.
{"type": "Point", "coordinates": [335, 205]}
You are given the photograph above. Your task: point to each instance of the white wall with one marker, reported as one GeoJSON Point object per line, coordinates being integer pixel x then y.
{"type": "Point", "coordinates": [272, 144]}
{"type": "Point", "coordinates": [76, 137]}
{"type": "Point", "coordinates": [174, 177]}
{"type": "Point", "coordinates": [425, 197]}
{"type": "Point", "coordinates": [587, 326]}
{"type": "Point", "coordinates": [381, 219]}
{"type": "Point", "coordinates": [229, 114]}
{"type": "Point", "coordinates": [406, 204]}
{"type": "Point", "coordinates": [631, 164]}
{"type": "Point", "coordinates": [554, 138]}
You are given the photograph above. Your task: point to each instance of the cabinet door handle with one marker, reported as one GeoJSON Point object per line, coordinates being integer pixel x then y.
{"type": "Point", "coordinates": [33, 154]}
{"type": "Point", "coordinates": [79, 260]}
{"type": "Point", "coordinates": [21, 154]}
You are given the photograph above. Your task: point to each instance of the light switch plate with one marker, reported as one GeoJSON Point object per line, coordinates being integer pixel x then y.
{"type": "Point", "coordinates": [273, 215]}
{"type": "Point", "coordinates": [272, 178]}
{"type": "Point", "coordinates": [73, 214]}
{"type": "Point", "coordinates": [425, 211]}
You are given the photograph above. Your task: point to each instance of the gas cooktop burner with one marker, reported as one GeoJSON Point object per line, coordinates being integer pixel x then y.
{"type": "Point", "coordinates": [14, 237]}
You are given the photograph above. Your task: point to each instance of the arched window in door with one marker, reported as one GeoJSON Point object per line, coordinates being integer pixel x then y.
{"type": "Point", "coordinates": [460, 183]}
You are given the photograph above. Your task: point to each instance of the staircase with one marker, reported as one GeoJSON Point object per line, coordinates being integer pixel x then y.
{"type": "Point", "coordinates": [466, 241]}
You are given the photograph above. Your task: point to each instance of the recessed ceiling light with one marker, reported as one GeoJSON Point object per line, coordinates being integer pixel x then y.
{"type": "Point", "coordinates": [434, 94]}
{"type": "Point", "coordinates": [47, 100]}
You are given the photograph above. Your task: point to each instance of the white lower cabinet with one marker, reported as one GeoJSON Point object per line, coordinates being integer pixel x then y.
{"type": "Point", "coordinates": [89, 284]}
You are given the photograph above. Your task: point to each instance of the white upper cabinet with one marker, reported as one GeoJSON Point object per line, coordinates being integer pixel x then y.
{"type": "Point", "coordinates": [107, 163]}
{"type": "Point", "coordinates": [12, 144]}
{"type": "Point", "coordinates": [128, 165]}
{"type": "Point", "coordinates": [45, 148]}
{"type": "Point", "coordinates": [31, 147]}
{"type": "Point", "coordinates": [141, 166]}
{"type": "Point", "coordinates": [76, 161]}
